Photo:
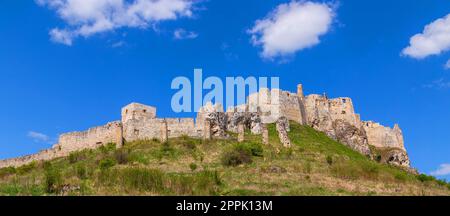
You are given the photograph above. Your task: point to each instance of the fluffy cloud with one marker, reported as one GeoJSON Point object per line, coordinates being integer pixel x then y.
{"type": "Point", "coordinates": [443, 170]}
{"type": "Point", "coordinates": [434, 40]}
{"type": "Point", "coordinates": [180, 34]}
{"type": "Point", "coordinates": [447, 65]}
{"type": "Point", "coordinates": [89, 17]}
{"type": "Point", "coordinates": [38, 137]}
{"type": "Point", "coordinates": [291, 27]}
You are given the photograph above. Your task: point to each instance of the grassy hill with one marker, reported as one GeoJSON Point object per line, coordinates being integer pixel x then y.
{"type": "Point", "coordinates": [315, 165]}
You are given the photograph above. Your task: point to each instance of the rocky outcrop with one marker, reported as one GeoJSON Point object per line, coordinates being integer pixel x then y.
{"type": "Point", "coordinates": [216, 117]}
{"type": "Point", "coordinates": [337, 119]}
{"type": "Point", "coordinates": [218, 123]}
{"type": "Point", "coordinates": [351, 136]}
{"type": "Point", "coordinates": [250, 120]}
{"type": "Point", "coordinates": [399, 158]}
{"type": "Point", "coordinates": [282, 126]}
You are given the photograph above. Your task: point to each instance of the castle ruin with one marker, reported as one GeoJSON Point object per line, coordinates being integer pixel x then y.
{"type": "Point", "coordinates": [335, 117]}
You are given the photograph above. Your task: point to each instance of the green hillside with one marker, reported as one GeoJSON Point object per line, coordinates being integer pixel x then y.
{"type": "Point", "coordinates": [315, 165]}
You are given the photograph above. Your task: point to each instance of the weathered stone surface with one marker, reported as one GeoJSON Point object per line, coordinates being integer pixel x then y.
{"type": "Point", "coordinates": [218, 121]}
{"type": "Point", "coordinates": [384, 137]}
{"type": "Point", "coordinates": [215, 116]}
{"type": "Point", "coordinates": [251, 121]}
{"type": "Point", "coordinates": [351, 136]}
{"type": "Point", "coordinates": [265, 134]}
{"type": "Point", "coordinates": [164, 132]}
{"type": "Point", "coordinates": [318, 114]}
{"type": "Point", "coordinates": [207, 130]}
{"type": "Point", "coordinates": [241, 132]}
{"type": "Point", "coordinates": [398, 158]}
{"type": "Point", "coordinates": [138, 111]}
{"type": "Point", "coordinates": [282, 126]}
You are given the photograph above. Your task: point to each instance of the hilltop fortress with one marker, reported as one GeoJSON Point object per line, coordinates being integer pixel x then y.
{"type": "Point", "coordinates": [335, 117]}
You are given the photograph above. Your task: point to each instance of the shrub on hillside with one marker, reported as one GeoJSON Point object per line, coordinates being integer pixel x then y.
{"type": "Point", "coordinates": [7, 171]}
{"type": "Point", "coordinates": [193, 166]}
{"type": "Point", "coordinates": [76, 156]}
{"type": "Point", "coordinates": [236, 156]}
{"type": "Point", "coordinates": [425, 178]}
{"type": "Point", "coordinates": [106, 163]}
{"type": "Point", "coordinates": [81, 171]}
{"type": "Point", "coordinates": [27, 167]}
{"type": "Point", "coordinates": [53, 179]}
{"type": "Point", "coordinates": [329, 160]}
{"type": "Point", "coordinates": [106, 149]}
{"type": "Point", "coordinates": [166, 150]}
{"type": "Point", "coordinates": [255, 148]}
{"type": "Point", "coordinates": [122, 156]}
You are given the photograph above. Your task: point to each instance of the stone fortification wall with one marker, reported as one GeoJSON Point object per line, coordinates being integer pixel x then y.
{"type": "Point", "coordinates": [275, 103]}
{"type": "Point", "coordinates": [319, 115]}
{"type": "Point", "coordinates": [336, 117]}
{"type": "Point", "coordinates": [342, 109]}
{"type": "Point", "coordinates": [47, 154]}
{"type": "Point", "coordinates": [182, 126]}
{"type": "Point", "coordinates": [92, 138]}
{"type": "Point", "coordinates": [384, 137]}
{"type": "Point", "coordinates": [135, 129]}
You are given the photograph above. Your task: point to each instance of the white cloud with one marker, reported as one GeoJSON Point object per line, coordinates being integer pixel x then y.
{"type": "Point", "coordinates": [438, 84]}
{"type": "Point", "coordinates": [443, 170]}
{"type": "Point", "coordinates": [180, 34]}
{"type": "Point", "coordinates": [89, 17]}
{"type": "Point", "coordinates": [447, 65]}
{"type": "Point", "coordinates": [61, 36]}
{"type": "Point", "coordinates": [292, 27]}
{"type": "Point", "coordinates": [38, 137]}
{"type": "Point", "coordinates": [434, 40]}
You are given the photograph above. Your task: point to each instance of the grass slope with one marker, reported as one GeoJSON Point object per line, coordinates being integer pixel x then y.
{"type": "Point", "coordinates": [315, 165]}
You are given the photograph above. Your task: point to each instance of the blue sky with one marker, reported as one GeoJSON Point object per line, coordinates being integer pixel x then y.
{"type": "Point", "coordinates": [57, 76]}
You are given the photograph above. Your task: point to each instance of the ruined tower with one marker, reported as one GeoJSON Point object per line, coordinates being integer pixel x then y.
{"type": "Point", "coordinates": [138, 111]}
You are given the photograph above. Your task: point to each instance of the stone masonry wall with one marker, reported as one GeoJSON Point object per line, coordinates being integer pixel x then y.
{"type": "Point", "coordinates": [92, 138]}
{"type": "Point", "coordinates": [47, 154]}
{"type": "Point", "coordinates": [147, 129]}
{"type": "Point", "coordinates": [384, 137]}
{"type": "Point", "coordinates": [74, 141]}
{"type": "Point", "coordinates": [182, 126]}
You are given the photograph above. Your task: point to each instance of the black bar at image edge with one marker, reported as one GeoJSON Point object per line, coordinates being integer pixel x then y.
{"type": "Point", "coordinates": [221, 205]}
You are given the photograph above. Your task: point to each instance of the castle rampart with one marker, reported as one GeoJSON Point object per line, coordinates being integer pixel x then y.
{"type": "Point", "coordinates": [92, 138]}
{"type": "Point", "coordinates": [336, 117]}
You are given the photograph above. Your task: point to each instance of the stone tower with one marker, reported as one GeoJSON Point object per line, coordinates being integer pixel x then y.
{"type": "Point", "coordinates": [300, 91]}
{"type": "Point", "coordinates": [138, 111]}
